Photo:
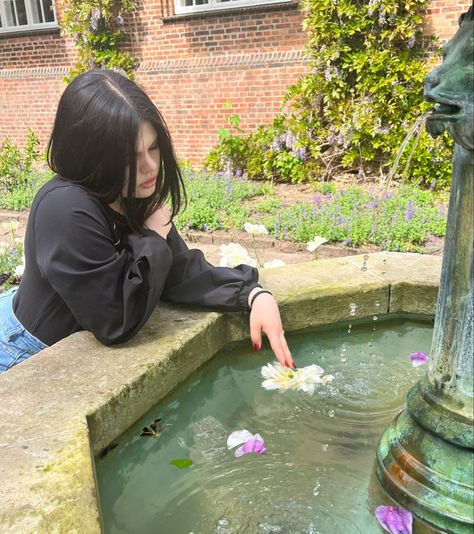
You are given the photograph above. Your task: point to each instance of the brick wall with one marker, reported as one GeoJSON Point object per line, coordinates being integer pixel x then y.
{"type": "Point", "coordinates": [442, 16]}
{"type": "Point", "coordinates": [190, 65]}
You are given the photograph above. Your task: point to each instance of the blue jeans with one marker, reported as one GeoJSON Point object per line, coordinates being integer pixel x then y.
{"type": "Point", "coordinates": [16, 343]}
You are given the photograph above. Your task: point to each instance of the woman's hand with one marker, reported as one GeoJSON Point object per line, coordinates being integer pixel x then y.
{"type": "Point", "coordinates": [265, 317]}
{"type": "Point", "coordinates": [160, 221]}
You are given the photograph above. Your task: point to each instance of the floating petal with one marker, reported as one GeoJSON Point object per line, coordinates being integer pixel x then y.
{"type": "Point", "coordinates": [419, 358]}
{"type": "Point", "coordinates": [254, 445]}
{"type": "Point", "coordinates": [238, 437]}
{"type": "Point", "coordinates": [395, 519]}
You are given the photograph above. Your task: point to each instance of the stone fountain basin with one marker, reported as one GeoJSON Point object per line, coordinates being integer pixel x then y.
{"type": "Point", "coordinates": [67, 403]}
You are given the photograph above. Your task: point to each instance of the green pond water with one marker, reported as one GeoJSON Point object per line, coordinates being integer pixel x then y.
{"type": "Point", "coordinates": [316, 473]}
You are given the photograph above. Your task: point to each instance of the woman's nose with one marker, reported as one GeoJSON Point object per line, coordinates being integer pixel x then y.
{"type": "Point", "coordinates": [148, 163]}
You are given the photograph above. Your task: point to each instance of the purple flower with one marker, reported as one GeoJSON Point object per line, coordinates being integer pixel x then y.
{"type": "Point", "coordinates": [419, 358]}
{"type": "Point", "coordinates": [382, 19]}
{"type": "Point", "coordinates": [346, 242]}
{"type": "Point", "coordinates": [388, 196]}
{"type": "Point", "coordinates": [252, 443]}
{"type": "Point", "coordinates": [411, 42]}
{"type": "Point", "coordinates": [394, 519]}
{"type": "Point", "coordinates": [95, 16]}
{"type": "Point", "coordinates": [301, 154]}
{"type": "Point", "coordinates": [318, 199]}
{"type": "Point", "coordinates": [277, 225]}
{"type": "Point", "coordinates": [410, 211]}
{"type": "Point", "coordinates": [340, 139]}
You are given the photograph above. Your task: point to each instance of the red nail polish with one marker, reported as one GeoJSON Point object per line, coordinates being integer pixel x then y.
{"type": "Point", "coordinates": [256, 347]}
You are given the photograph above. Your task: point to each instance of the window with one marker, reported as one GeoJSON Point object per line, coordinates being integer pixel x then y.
{"type": "Point", "coordinates": [26, 15]}
{"type": "Point", "coordinates": [192, 6]}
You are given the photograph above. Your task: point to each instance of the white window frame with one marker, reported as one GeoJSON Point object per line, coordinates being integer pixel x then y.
{"type": "Point", "coordinates": [214, 5]}
{"type": "Point", "coordinates": [31, 26]}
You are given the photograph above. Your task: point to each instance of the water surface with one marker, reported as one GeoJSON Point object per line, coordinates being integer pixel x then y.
{"type": "Point", "coordinates": [315, 475]}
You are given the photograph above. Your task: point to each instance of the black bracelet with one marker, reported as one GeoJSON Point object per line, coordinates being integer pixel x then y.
{"type": "Point", "coordinates": [257, 294]}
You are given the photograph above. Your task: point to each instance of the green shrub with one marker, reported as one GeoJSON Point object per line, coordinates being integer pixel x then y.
{"type": "Point", "coordinates": [21, 197]}
{"type": "Point", "coordinates": [16, 163]}
{"type": "Point", "coordinates": [215, 201]}
{"type": "Point", "coordinates": [399, 221]}
{"type": "Point", "coordinates": [356, 106]}
{"type": "Point", "coordinates": [11, 256]}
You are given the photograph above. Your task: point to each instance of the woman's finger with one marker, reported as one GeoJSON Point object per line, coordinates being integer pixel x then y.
{"type": "Point", "coordinates": [255, 333]}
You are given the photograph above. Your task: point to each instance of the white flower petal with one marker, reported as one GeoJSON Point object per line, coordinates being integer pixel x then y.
{"type": "Point", "coordinates": [238, 437]}
{"type": "Point", "coordinates": [326, 379]}
{"type": "Point", "coordinates": [315, 243]}
{"type": "Point", "coordinates": [255, 228]}
{"type": "Point", "coordinates": [273, 264]}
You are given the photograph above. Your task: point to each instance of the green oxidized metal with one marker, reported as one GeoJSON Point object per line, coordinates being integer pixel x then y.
{"type": "Point", "coordinates": [425, 459]}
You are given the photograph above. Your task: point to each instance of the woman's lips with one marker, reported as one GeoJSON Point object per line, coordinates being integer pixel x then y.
{"type": "Point", "coordinates": [149, 183]}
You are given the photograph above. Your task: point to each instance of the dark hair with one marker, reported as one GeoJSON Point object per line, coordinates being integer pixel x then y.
{"type": "Point", "coordinates": [94, 140]}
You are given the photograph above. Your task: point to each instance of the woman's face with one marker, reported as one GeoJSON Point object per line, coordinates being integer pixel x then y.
{"type": "Point", "coordinates": [148, 162]}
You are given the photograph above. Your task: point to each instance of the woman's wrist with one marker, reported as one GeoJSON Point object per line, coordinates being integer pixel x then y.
{"type": "Point", "coordinates": [254, 294]}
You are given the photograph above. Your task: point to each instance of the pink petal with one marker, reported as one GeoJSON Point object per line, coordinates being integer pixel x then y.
{"type": "Point", "coordinates": [394, 519]}
{"type": "Point", "coordinates": [238, 437]}
{"type": "Point", "coordinates": [254, 445]}
{"type": "Point", "coordinates": [419, 358]}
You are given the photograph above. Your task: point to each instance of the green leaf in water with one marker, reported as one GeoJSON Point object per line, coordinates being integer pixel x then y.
{"type": "Point", "coordinates": [182, 463]}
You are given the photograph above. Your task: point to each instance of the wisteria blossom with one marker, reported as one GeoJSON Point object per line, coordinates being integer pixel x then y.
{"type": "Point", "coordinates": [394, 519]}
{"type": "Point", "coordinates": [315, 243]}
{"type": "Point", "coordinates": [250, 443]}
{"type": "Point", "coordinates": [303, 379]}
{"type": "Point", "coordinates": [419, 358]}
{"type": "Point", "coordinates": [234, 254]}
{"type": "Point", "coordinates": [255, 228]}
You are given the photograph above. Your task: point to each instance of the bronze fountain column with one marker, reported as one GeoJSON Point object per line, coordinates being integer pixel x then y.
{"type": "Point", "coordinates": [425, 458]}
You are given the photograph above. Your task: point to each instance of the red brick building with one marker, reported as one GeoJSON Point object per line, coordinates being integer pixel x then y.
{"type": "Point", "coordinates": [195, 55]}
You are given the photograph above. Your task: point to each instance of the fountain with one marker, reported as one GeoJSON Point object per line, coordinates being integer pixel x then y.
{"type": "Point", "coordinates": [425, 457]}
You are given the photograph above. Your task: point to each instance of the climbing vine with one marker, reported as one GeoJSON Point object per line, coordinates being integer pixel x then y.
{"type": "Point", "coordinates": [97, 27]}
{"type": "Point", "coordinates": [357, 103]}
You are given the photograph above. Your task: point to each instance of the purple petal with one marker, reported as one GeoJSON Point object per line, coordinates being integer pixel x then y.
{"type": "Point", "coordinates": [254, 445]}
{"type": "Point", "coordinates": [394, 519]}
{"type": "Point", "coordinates": [419, 358]}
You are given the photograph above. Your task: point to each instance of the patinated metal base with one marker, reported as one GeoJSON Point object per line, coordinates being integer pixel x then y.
{"type": "Point", "coordinates": [428, 475]}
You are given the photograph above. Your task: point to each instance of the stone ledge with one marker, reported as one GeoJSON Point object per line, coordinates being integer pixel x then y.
{"type": "Point", "coordinates": [66, 403]}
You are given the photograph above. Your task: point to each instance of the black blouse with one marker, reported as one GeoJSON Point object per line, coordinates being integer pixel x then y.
{"type": "Point", "coordinates": [85, 270]}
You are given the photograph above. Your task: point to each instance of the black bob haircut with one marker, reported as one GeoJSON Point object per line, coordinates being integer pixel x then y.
{"type": "Point", "coordinates": [94, 140]}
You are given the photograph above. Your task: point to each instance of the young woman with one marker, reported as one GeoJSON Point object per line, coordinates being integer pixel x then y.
{"type": "Point", "coordinates": [101, 249]}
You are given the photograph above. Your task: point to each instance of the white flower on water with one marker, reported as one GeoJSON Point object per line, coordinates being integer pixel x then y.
{"type": "Point", "coordinates": [326, 379]}
{"type": "Point", "coordinates": [255, 228]}
{"type": "Point", "coordinates": [234, 254]}
{"type": "Point", "coordinates": [303, 379]}
{"type": "Point", "coordinates": [315, 243]}
{"type": "Point", "coordinates": [274, 263]}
